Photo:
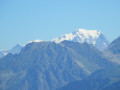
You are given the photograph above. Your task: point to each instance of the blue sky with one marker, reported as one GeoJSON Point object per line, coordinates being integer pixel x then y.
{"type": "Point", "coordinates": [24, 20]}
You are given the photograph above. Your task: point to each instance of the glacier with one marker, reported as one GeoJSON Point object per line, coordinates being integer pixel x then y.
{"type": "Point", "coordinates": [94, 37]}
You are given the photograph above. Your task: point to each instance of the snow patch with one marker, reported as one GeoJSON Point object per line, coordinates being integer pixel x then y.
{"type": "Point", "coordinates": [35, 41]}
{"type": "Point", "coordinates": [87, 33]}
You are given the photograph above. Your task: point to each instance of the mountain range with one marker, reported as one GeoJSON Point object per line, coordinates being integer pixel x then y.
{"type": "Point", "coordinates": [94, 37]}
{"type": "Point", "coordinates": [63, 65]}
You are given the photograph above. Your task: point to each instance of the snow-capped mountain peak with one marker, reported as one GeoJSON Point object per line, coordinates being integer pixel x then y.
{"type": "Point", "coordinates": [80, 35]}
{"type": "Point", "coordinates": [88, 33]}
{"type": "Point", "coordinates": [89, 36]}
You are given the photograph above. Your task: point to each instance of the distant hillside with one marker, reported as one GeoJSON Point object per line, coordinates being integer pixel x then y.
{"type": "Point", "coordinates": [15, 50]}
{"type": "Point", "coordinates": [114, 47]}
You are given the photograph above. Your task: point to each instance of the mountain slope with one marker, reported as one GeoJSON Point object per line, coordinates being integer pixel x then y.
{"type": "Point", "coordinates": [114, 47]}
{"type": "Point", "coordinates": [15, 50]}
{"type": "Point", "coordinates": [114, 86]}
{"type": "Point", "coordinates": [107, 79]}
{"type": "Point", "coordinates": [113, 51]}
{"type": "Point", "coordinates": [47, 65]}
{"type": "Point", "coordinates": [89, 36]}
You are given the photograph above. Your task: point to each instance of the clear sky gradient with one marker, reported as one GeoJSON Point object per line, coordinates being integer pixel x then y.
{"type": "Point", "coordinates": [24, 20]}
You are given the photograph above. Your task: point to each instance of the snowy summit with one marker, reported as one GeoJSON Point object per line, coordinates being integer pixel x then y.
{"type": "Point", "coordinates": [35, 41]}
{"type": "Point", "coordinates": [94, 37]}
